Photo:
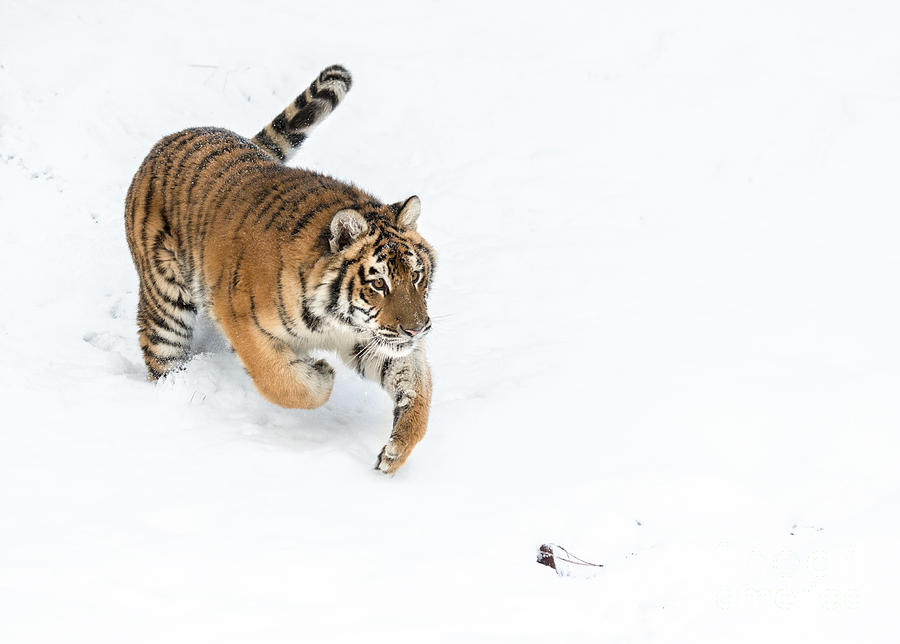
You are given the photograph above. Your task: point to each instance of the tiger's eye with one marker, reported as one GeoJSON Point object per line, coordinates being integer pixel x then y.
{"type": "Point", "coordinates": [379, 284]}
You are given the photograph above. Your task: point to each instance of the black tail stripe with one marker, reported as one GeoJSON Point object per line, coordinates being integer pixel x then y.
{"type": "Point", "coordinates": [264, 140]}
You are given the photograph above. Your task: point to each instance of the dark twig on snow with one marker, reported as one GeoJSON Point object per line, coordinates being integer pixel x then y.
{"type": "Point", "coordinates": [552, 555]}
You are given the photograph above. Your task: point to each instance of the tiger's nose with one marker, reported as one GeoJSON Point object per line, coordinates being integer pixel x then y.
{"type": "Point", "coordinates": [416, 331]}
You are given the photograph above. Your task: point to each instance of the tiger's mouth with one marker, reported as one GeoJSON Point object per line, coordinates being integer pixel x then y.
{"type": "Point", "coordinates": [396, 345]}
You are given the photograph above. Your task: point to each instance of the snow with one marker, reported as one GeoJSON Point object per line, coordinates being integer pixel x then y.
{"type": "Point", "coordinates": [665, 334]}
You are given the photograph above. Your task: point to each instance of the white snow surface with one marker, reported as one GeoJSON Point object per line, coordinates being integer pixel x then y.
{"type": "Point", "coordinates": [666, 329]}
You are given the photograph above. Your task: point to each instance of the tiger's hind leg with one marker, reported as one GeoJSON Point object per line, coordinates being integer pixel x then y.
{"type": "Point", "coordinates": [166, 307]}
{"type": "Point", "coordinates": [166, 312]}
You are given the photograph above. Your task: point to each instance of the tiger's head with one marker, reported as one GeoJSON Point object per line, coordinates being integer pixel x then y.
{"type": "Point", "coordinates": [382, 271]}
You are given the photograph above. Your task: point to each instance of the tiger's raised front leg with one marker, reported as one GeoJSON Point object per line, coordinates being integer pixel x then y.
{"type": "Point", "coordinates": [280, 375]}
{"type": "Point", "coordinates": [407, 381]}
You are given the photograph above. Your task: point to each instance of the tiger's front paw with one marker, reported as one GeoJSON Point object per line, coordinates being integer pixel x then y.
{"type": "Point", "coordinates": [321, 380]}
{"type": "Point", "coordinates": [325, 371]}
{"type": "Point", "coordinates": [314, 381]}
{"type": "Point", "coordinates": [392, 456]}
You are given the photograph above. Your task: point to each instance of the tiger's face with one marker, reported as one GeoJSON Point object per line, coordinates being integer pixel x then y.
{"type": "Point", "coordinates": [382, 277]}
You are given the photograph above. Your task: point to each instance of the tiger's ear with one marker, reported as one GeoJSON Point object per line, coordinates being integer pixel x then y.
{"type": "Point", "coordinates": [407, 212]}
{"type": "Point", "coordinates": [346, 227]}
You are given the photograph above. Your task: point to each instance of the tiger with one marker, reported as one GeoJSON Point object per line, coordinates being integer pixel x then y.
{"type": "Point", "coordinates": [285, 261]}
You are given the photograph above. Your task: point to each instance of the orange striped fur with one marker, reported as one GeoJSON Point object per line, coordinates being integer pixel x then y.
{"type": "Point", "coordinates": [285, 261]}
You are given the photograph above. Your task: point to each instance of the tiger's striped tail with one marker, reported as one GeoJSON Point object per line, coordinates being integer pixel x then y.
{"type": "Point", "coordinates": [285, 134]}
